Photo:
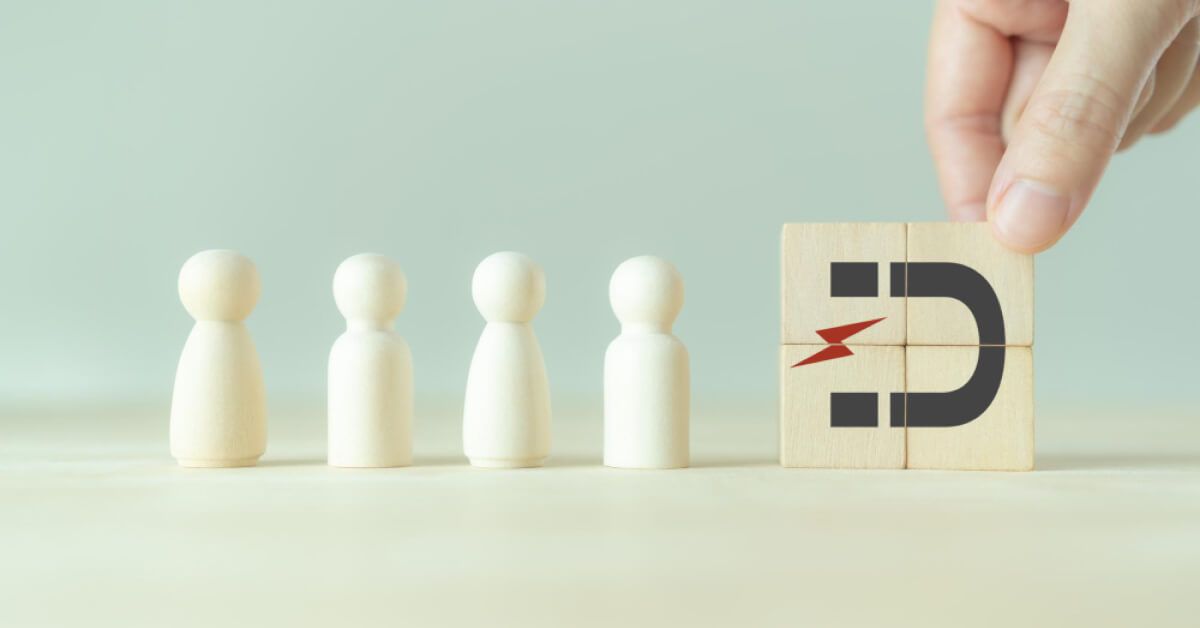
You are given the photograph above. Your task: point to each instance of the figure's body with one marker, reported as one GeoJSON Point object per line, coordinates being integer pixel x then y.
{"type": "Point", "coordinates": [646, 374]}
{"type": "Point", "coordinates": [370, 368]}
{"type": "Point", "coordinates": [506, 411]}
{"type": "Point", "coordinates": [218, 408]}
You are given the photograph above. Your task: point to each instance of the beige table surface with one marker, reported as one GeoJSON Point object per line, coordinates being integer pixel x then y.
{"type": "Point", "coordinates": [98, 527]}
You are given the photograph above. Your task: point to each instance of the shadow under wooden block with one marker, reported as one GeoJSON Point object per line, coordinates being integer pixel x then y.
{"type": "Point", "coordinates": [954, 269]}
{"type": "Point", "coordinates": [836, 274]}
{"type": "Point", "coordinates": [838, 413]}
{"type": "Point", "coordinates": [970, 408]}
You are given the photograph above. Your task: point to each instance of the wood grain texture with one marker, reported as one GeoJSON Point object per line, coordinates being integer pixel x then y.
{"type": "Point", "coordinates": [806, 437]}
{"type": "Point", "coordinates": [937, 321]}
{"type": "Point", "coordinates": [808, 250]}
{"type": "Point", "coordinates": [1001, 439]}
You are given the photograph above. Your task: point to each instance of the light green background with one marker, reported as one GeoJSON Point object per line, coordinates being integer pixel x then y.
{"type": "Point", "coordinates": [582, 133]}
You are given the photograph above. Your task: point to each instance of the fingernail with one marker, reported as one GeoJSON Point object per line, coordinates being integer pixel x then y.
{"type": "Point", "coordinates": [1031, 214]}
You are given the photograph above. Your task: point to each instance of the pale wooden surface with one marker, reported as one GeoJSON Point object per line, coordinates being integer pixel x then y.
{"type": "Point", "coordinates": [933, 321]}
{"type": "Point", "coordinates": [100, 528]}
{"type": "Point", "coordinates": [807, 439]}
{"type": "Point", "coordinates": [806, 252]}
{"type": "Point", "coordinates": [1001, 439]}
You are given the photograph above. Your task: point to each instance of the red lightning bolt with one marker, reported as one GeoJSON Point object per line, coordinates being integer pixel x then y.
{"type": "Point", "coordinates": [835, 336]}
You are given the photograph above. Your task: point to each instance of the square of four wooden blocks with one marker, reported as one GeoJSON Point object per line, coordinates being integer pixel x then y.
{"type": "Point", "coordinates": [905, 346]}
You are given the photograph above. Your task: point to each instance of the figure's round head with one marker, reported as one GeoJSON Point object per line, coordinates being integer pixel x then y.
{"type": "Point", "coordinates": [219, 285]}
{"type": "Point", "coordinates": [369, 287]}
{"type": "Point", "coordinates": [508, 288]}
{"type": "Point", "coordinates": [646, 290]}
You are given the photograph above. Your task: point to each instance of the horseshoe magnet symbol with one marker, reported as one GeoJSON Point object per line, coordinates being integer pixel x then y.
{"type": "Point", "coordinates": [926, 280]}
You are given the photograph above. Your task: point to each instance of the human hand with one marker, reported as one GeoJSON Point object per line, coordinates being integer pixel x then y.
{"type": "Point", "coordinates": [1027, 100]}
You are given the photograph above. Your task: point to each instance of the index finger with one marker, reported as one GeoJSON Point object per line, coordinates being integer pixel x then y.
{"type": "Point", "coordinates": [969, 67]}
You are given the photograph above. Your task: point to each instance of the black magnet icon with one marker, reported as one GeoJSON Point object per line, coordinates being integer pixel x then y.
{"type": "Point", "coordinates": [926, 280]}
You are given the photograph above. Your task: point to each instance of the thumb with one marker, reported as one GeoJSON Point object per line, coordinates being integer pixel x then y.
{"type": "Point", "coordinates": [1076, 116]}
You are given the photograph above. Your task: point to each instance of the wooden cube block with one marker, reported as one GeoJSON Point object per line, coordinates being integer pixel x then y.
{"type": "Point", "coordinates": [841, 413]}
{"type": "Point", "coordinates": [951, 268]}
{"type": "Point", "coordinates": [841, 273]}
{"type": "Point", "coordinates": [970, 408]}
